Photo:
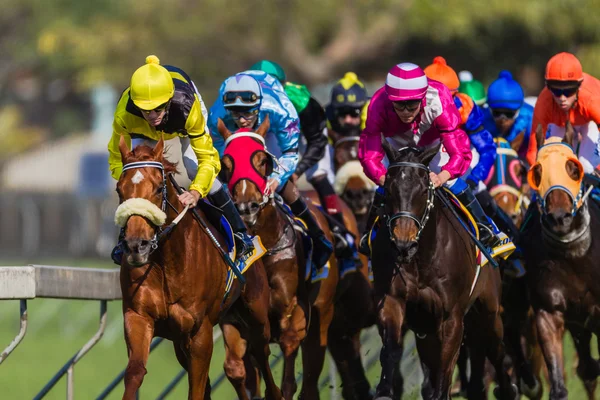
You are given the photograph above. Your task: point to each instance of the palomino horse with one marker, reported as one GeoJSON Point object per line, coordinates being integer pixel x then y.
{"type": "Point", "coordinates": [174, 284]}
{"type": "Point", "coordinates": [291, 298]}
{"type": "Point", "coordinates": [424, 264]}
{"type": "Point", "coordinates": [562, 260]}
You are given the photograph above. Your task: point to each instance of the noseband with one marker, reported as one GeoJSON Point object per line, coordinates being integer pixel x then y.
{"type": "Point", "coordinates": [407, 214]}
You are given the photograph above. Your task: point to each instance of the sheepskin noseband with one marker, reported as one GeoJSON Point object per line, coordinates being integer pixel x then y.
{"type": "Point", "coordinates": [142, 207]}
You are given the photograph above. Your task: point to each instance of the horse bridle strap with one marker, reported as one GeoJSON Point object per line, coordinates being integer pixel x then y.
{"type": "Point", "coordinates": [347, 139]}
{"type": "Point", "coordinates": [420, 222]}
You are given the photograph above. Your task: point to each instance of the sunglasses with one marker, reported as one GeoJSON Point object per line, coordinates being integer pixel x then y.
{"type": "Point", "coordinates": [353, 112]}
{"type": "Point", "coordinates": [568, 92]}
{"type": "Point", "coordinates": [247, 115]}
{"type": "Point", "coordinates": [408, 105]}
{"type": "Point", "coordinates": [501, 113]}
{"type": "Point", "coordinates": [245, 97]}
{"type": "Point", "coordinates": [157, 110]}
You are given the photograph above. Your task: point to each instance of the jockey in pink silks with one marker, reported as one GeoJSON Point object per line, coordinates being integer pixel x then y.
{"type": "Point", "coordinates": [414, 111]}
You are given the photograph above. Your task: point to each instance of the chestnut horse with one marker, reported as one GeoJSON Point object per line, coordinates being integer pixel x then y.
{"type": "Point", "coordinates": [424, 263]}
{"type": "Point", "coordinates": [173, 281]}
{"type": "Point", "coordinates": [562, 260]}
{"type": "Point", "coordinates": [293, 300]}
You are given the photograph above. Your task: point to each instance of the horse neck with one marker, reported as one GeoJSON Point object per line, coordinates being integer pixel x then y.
{"type": "Point", "coordinates": [270, 224]}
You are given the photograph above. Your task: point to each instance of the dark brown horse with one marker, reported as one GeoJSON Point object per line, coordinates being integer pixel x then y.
{"type": "Point", "coordinates": [562, 261]}
{"type": "Point", "coordinates": [425, 265]}
{"type": "Point", "coordinates": [174, 285]}
{"type": "Point", "coordinates": [293, 300]}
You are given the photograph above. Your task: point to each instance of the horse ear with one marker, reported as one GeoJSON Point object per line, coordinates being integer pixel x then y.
{"type": "Point", "coordinates": [333, 135]}
{"type": "Point", "coordinates": [540, 136]}
{"type": "Point", "coordinates": [226, 168]}
{"type": "Point", "coordinates": [264, 127]}
{"type": "Point", "coordinates": [429, 153]}
{"type": "Point", "coordinates": [159, 149]}
{"type": "Point", "coordinates": [569, 134]}
{"type": "Point", "coordinates": [517, 141]}
{"type": "Point", "coordinates": [390, 152]}
{"type": "Point", "coordinates": [123, 148]}
{"type": "Point", "coordinates": [225, 133]}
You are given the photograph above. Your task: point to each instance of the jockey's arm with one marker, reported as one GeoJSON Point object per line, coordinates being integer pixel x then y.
{"type": "Point", "coordinates": [483, 142]}
{"type": "Point", "coordinates": [288, 135]}
{"type": "Point", "coordinates": [312, 122]}
{"type": "Point", "coordinates": [115, 163]}
{"type": "Point", "coordinates": [201, 142]}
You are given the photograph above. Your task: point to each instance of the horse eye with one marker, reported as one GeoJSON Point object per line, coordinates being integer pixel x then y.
{"type": "Point", "coordinates": [159, 189]}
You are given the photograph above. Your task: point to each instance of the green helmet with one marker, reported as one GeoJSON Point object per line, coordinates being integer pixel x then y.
{"type": "Point", "coordinates": [299, 95]}
{"type": "Point", "coordinates": [475, 90]}
{"type": "Point", "coordinates": [271, 68]}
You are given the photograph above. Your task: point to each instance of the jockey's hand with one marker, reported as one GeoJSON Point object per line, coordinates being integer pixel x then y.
{"type": "Point", "coordinates": [382, 180]}
{"type": "Point", "coordinates": [294, 178]}
{"type": "Point", "coordinates": [272, 185]}
{"type": "Point", "coordinates": [439, 179]}
{"type": "Point", "coordinates": [190, 198]}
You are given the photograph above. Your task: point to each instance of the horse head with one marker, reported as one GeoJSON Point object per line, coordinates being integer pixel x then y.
{"type": "Point", "coordinates": [557, 176]}
{"type": "Point", "coordinates": [409, 196]}
{"type": "Point", "coordinates": [245, 167]}
{"type": "Point", "coordinates": [142, 194]}
{"type": "Point", "coordinates": [507, 180]}
{"type": "Point", "coordinates": [345, 148]}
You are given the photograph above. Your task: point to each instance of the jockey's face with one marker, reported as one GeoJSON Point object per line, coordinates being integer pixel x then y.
{"type": "Point", "coordinates": [156, 116]}
{"type": "Point", "coordinates": [245, 119]}
{"type": "Point", "coordinates": [407, 111]}
{"type": "Point", "coordinates": [564, 93]}
{"type": "Point", "coordinates": [348, 119]}
{"type": "Point", "coordinates": [504, 119]}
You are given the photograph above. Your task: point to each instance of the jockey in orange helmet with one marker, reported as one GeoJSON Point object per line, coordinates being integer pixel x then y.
{"type": "Point", "coordinates": [570, 94]}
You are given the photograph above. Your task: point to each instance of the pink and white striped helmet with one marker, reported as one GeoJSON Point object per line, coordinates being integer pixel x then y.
{"type": "Point", "coordinates": [406, 81]}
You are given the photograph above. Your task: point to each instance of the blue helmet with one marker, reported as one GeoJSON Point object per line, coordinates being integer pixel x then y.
{"type": "Point", "coordinates": [242, 92]}
{"type": "Point", "coordinates": [505, 93]}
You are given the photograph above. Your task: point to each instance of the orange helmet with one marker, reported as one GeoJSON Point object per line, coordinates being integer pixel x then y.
{"type": "Point", "coordinates": [564, 67]}
{"type": "Point", "coordinates": [441, 72]}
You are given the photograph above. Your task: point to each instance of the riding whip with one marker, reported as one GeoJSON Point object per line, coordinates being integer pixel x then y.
{"type": "Point", "coordinates": [212, 237]}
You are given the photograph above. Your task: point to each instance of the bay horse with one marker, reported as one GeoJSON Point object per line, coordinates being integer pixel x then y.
{"type": "Point", "coordinates": [174, 284]}
{"type": "Point", "coordinates": [294, 302]}
{"type": "Point", "coordinates": [562, 256]}
{"type": "Point", "coordinates": [424, 264]}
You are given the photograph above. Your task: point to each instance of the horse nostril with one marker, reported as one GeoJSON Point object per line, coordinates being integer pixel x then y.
{"type": "Point", "coordinates": [254, 207]}
{"type": "Point", "coordinates": [144, 243]}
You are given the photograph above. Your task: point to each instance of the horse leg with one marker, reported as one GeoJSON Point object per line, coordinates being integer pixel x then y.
{"type": "Point", "coordinates": [315, 345]}
{"type": "Point", "coordinates": [529, 382]}
{"type": "Point", "coordinates": [259, 344]}
{"type": "Point", "coordinates": [588, 369]}
{"type": "Point", "coordinates": [345, 350]}
{"type": "Point", "coordinates": [438, 354]}
{"type": "Point", "coordinates": [293, 330]}
{"type": "Point", "coordinates": [391, 318]}
{"type": "Point", "coordinates": [459, 388]}
{"type": "Point", "coordinates": [496, 353]}
{"type": "Point", "coordinates": [139, 331]}
{"type": "Point", "coordinates": [551, 327]}
{"type": "Point", "coordinates": [200, 350]}
{"type": "Point", "coordinates": [235, 349]}
{"type": "Point", "coordinates": [252, 377]}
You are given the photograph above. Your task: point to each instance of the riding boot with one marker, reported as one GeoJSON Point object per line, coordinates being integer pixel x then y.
{"type": "Point", "coordinates": [377, 203]}
{"type": "Point", "coordinates": [117, 253]}
{"type": "Point", "coordinates": [498, 215]}
{"type": "Point", "coordinates": [222, 200]}
{"type": "Point", "coordinates": [322, 246]}
{"type": "Point", "coordinates": [344, 244]}
{"type": "Point", "coordinates": [489, 234]}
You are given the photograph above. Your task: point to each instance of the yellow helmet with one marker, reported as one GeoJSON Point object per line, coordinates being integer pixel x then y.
{"type": "Point", "coordinates": [151, 85]}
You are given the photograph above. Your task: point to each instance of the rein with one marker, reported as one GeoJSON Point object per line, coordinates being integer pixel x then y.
{"type": "Point", "coordinates": [407, 214]}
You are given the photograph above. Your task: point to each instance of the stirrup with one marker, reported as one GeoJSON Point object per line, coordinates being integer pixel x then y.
{"type": "Point", "coordinates": [244, 243]}
{"type": "Point", "coordinates": [363, 245]}
{"type": "Point", "coordinates": [504, 248]}
{"type": "Point", "coordinates": [117, 254]}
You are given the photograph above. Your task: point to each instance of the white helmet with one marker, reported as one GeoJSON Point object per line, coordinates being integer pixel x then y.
{"type": "Point", "coordinates": [242, 90]}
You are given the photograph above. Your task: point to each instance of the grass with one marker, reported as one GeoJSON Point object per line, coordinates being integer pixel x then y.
{"type": "Point", "coordinates": [58, 328]}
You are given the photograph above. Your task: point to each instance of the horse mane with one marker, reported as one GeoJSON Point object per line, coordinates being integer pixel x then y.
{"type": "Point", "coordinates": [146, 153]}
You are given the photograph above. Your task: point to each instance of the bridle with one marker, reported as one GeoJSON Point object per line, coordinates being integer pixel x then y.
{"type": "Point", "coordinates": [421, 222]}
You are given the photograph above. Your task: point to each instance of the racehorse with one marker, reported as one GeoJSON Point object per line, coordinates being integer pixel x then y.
{"type": "Point", "coordinates": [424, 264]}
{"type": "Point", "coordinates": [292, 300]}
{"type": "Point", "coordinates": [173, 281]}
{"type": "Point", "coordinates": [562, 260]}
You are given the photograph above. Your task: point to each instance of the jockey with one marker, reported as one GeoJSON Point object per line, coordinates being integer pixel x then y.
{"type": "Point", "coordinates": [482, 143]}
{"type": "Point", "coordinates": [163, 102]}
{"type": "Point", "coordinates": [472, 87]}
{"type": "Point", "coordinates": [507, 114]}
{"type": "Point", "coordinates": [244, 101]}
{"type": "Point", "coordinates": [347, 108]}
{"type": "Point", "coordinates": [414, 110]}
{"type": "Point", "coordinates": [316, 161]}
{"type": "Point", "coordinates": [570, 94]}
